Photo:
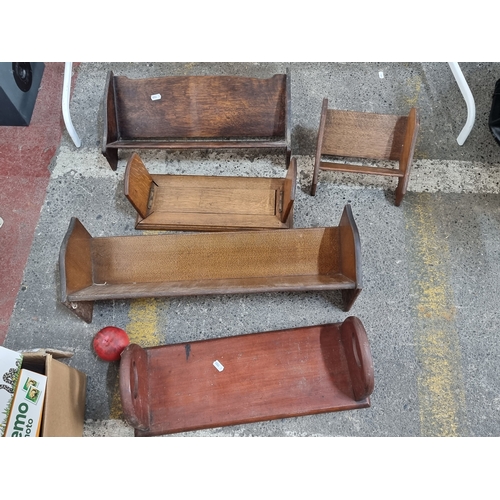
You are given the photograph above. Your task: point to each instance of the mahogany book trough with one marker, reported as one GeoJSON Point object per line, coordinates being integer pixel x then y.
{"type": "Point", "coordinates": [246, 378]}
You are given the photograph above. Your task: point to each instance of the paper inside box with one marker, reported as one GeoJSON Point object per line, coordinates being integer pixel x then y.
{"type": "Point", "coordinates": [26, 412]}
{"type": "Point", "coordinates": [10, 367]}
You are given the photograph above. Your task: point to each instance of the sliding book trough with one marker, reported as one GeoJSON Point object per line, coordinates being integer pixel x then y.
{"type": "Point", "coordinates": [209, 203]}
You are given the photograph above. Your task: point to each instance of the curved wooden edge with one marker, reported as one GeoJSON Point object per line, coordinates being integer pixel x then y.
{"type": "Point", "coordinates": [350, 255]}
{"type": "Point", "coordinates": [84, 310]}
{"type": "Point", "coordinates": [137, 184]}
{"type": "Point", "coordinates": [62, 259]}
{"type": "Point", "coordinates": [349, 297]}
{"type": "Point", "coordinates": [319, 146]}
{"type": "Point", "coordinates": [359, 358]}
{"type": "Point", "coordinates": [494, 114]}
{"type": "Point", "coordinates": [110, 127]}
{"type": "Point", "coordinates": [111, 155]}
{"type": "Point", "coordinates": [410, 140]}
{"type": "Point", "coordinates": [75, 270]}
{"type": "Point", "coordinates": [288, 117]}
{"type": "Point", "coordinates": [289, 188]}
{"type": "Point", "coordinates": [133, 381]}
{"type": "Point", "coordinates": [126, 178]}
{"type": "Point", "coordinates": [105, 141]}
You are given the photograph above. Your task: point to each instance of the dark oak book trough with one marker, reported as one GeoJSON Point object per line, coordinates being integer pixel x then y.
{"type": "Point", "coordinates": [196, 113]}
{"type": "Point", "coordinates": [166, 265]}
{"type": "Point", "coordinates": [209, 203]}
{"type": "Point", "coordinates": [246, 378]}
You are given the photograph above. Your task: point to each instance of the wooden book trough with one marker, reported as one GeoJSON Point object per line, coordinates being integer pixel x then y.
{"type": "Point", "coordinates": [196, 113]}
{"type": "Point", "coordinates": [356, 135]}
{"type": "Point", "coordinates": [204, 203]}
{"type": "Point", "coordinates": [166, 265]}
{"type": "Point", "coordinates": [246, 378]}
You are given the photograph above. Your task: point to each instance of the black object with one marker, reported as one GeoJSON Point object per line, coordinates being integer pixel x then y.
{"type": "Point", "coordinates": [494, 119]}
{"type": "Point", "coordinates": [19, 85]}
{"type": "Point", "coordinates": [23, 75]}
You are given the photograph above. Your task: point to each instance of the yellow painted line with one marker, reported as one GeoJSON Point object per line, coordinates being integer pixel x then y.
{"type": "Point", "coordinates": [142, 329]}
{"type": "Point", "coordinates": [440, 381]}
{"type": "Point", "coordinates": [414, 85]}
{"type": "Point", "coordinates": [143, 325]}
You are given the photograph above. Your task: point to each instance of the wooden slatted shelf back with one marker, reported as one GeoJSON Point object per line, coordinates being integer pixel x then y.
{"type": "Point", "coordinates": [264, 376]}
{"type": "Point", "coordinates": [355, 136]}
{"type": "Point", "coordinates": [159, 258]}
{"type": "Point", "coordinates": [363, 135]}
{"type": "Point", "coordinates": [201, 106]}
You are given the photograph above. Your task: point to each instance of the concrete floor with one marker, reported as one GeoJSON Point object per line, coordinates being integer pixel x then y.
{"type": "Point", "coordinates": [430, 267]}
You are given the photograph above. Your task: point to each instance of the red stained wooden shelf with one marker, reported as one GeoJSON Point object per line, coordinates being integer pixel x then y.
{"type": "Point", "coordinates": [246, 378]}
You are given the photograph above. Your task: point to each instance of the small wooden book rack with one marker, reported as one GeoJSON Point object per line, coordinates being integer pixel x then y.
{"type": "Point", "coordinates": [196, 113]}
{"type": "Point", "coordinates": [203, 203]}
{"type": "Point", "coordinates": [246, 378]}
{"type": "Point", "coordinates": [351, 134]}
{"type": "Point", "coordinates": [166, 265]}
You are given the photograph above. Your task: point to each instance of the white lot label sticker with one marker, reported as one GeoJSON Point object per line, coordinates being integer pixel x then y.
{"type": "Point", "coordinates": [218, 365]}
{"type": "Point", "coordinates": [156, 97]}
{"type": "Point", "coordinates": [381, 74]}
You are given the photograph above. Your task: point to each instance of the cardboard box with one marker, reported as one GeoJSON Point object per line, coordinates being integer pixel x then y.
{"type": "Point", "coordinates": [64, 405]}
{"type": "Point", "coordinates": [27, 407]}
{"type": "Point", "coordinates": [10, 367]}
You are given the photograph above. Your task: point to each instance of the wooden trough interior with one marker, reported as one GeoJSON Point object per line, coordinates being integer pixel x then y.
{"type": "Point", "coordinates": [246, 378]}
{"type": "Point", "coordinates": [209, 203]}
{"type": "Point", "coordinates": [126, 267]}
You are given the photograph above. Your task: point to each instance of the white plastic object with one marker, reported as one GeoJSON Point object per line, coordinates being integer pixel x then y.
{"type": "Point", "coordinates": [469, 101]}
{"type": "Point", "coordinates": [68, 68]}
